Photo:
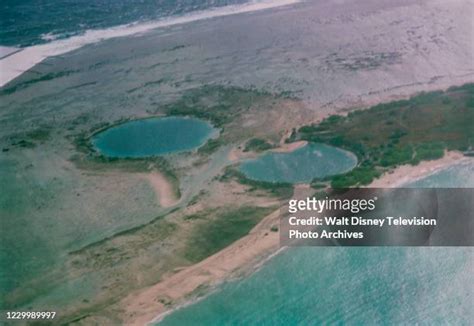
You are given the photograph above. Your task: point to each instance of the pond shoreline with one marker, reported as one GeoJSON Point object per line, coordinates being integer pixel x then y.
{"type": "Point", "coordinates": [122, 139]}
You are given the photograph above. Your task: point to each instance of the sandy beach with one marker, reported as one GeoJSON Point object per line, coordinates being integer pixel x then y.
{"type": "Point", "coordinates": [407, 173]}
{"type": "Point", "coordinates": [243, 255]}
{"type": "Point", "coordinates": [180, 288]}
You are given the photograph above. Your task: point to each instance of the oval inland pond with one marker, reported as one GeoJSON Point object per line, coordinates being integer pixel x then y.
{"type": "Point", "coordinates": [301, 165]}
{"type": "Point", "coordinates": [153, 136]}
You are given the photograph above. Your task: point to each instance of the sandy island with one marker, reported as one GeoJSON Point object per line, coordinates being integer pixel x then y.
{"type": "Point", "coordinates": [149, 305]}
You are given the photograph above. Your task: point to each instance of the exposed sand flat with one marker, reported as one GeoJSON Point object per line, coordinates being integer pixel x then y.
{"type": "Point", "coordinates": [143, 306]}
{"type": "Point", "coordinates": [286, 148]}
{"type": "Point", "coordinates": [164, 190]}
{"type": "Point", "coordinates": [407, 173]}
{"type": "Point", "coordinates": [237, 154]}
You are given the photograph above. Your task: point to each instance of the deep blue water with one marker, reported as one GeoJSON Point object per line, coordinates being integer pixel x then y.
{"type": "Point", "coordinates": [28, 22]}
{"type": "Point", "coordinates": [302, 165]}
{"type": "Point", "coordinates": [155, 136]}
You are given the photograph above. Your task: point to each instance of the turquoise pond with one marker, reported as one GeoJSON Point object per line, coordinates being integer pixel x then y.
{"type": "Point", "coordinates": [301, 165]}
{"type": "Point", "coordinates": [153, 136]}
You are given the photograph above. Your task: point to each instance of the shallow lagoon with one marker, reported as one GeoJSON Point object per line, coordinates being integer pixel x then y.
{"type": "Point", "coordinates": [154, 136]}
{"type": "Point", "coordinates": [301, 165]}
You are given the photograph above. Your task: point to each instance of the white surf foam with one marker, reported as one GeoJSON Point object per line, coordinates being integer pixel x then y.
{"type": "Point", "coordinates": [16, 64]}
{"type": "Point", "coordinates": [50, 36]}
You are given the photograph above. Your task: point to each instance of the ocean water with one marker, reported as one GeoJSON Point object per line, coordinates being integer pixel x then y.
{"type": "Point", "coordinates": [456, 176]}
{"type": "Point", "coordinates": [310, 49]}
{"type": "Point", "coordinates": [301, 165]}
{"type": "Point", "coordinates": [354, 286]}
{"type": "Point", "coordinates": [31, 22]}
{"type": "Point", "coordinates": [155, 136]}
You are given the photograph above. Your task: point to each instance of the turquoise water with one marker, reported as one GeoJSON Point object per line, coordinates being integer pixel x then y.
{"type": "Point", "coordinates": [354, 286]}
{"type": "Point", "coordinates": [302, 165]}
{"type": "Point", "coordinates": [155, 136]}
{"type": "Point", "coordinates": [456, 176]}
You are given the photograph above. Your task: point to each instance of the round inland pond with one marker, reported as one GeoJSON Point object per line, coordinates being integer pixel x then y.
{"type": "Point", "coordinates": [153, 136]}
{"type": "Point", "coordinates": [301, 165]}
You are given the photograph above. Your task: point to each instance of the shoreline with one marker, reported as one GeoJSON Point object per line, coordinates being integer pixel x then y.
{"type": "Point", "coordinates": [407, 173]}
{"type": "Point", "coordinates": [26, 58]}
{"type": "Point", "coordinates": [289, 147]}
{"type": "Point", "coordinates": [150, 258]}
{"type": "Point", "coordinates": [152, 304]}
{"type": "Point", "coordinates": [236, 155]}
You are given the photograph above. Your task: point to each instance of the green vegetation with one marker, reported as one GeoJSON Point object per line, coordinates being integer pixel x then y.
{"type": "Point", "coordinates": [222, 106]}
{"type": "Point", "coordinates": [318, 185]}
{"type": "Point", "coordinates": [428, 151]}
{"type": "Point", "coordinates": [40, 134]}
{"type": "Point", "coordinates": [358, 176]}
{"type": "Point", "coordinates": [211, 146]}
{"type": "Point", "coordinates": [89, 159]}
{"type": "Point", "coordinates": [400, 132]}
{"type": "Point", "coordinates": [201, 215]}
{"type": "Point", "coordinates": [29, 139]}
{"type": "Point", "coordinates": [13, 87]}
{"type": "Point", "coordinates": [196, 198]}
{"type": "Point", "coordinates": [281, 190]}
{"type": "Point", "coordinates": [257, 145]}
{"type": "Point", "coordinates": [105, 253]}
{"type": "Point", "coordinates": [218, 230]}
{"type": "Point", "coordinates": [97, 162]}
{"type": "Point", "coordinates": [217, 104]}
{"type": "Point", "coordinates": [24, 144]}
